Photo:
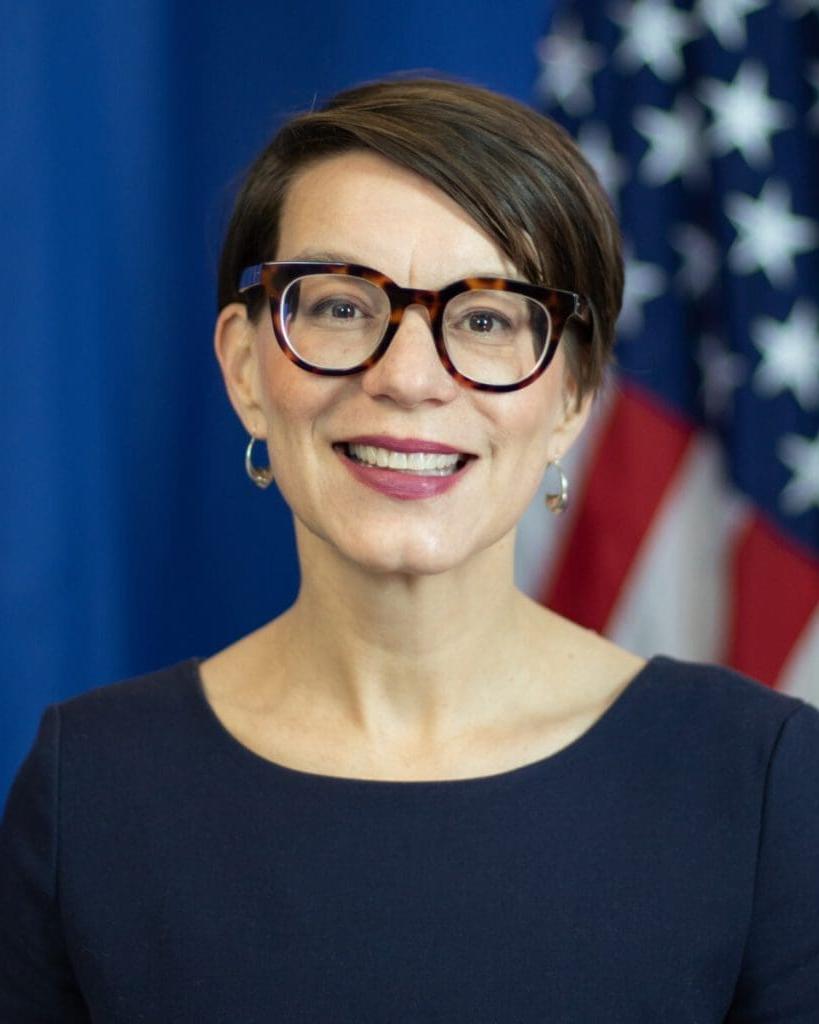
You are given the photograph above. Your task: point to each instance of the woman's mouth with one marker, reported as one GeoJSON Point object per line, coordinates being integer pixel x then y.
{"type": "Point", "coordinates": [419, 463]}
{"type": "Point", "coordinates": [407, 474]}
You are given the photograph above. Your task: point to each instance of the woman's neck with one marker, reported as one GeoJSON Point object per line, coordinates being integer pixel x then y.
{"type": "Point", "coordinates": [413, 658]}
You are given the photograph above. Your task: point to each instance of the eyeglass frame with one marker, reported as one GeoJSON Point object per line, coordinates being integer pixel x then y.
{"type": "Point", "coordinates": [276, 275]}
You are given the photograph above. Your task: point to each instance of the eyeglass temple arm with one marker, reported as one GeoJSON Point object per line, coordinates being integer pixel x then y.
{"type": "Point", "coordinates": [582, 309]}
{"type": "Point", "coordinates": [584, 312]}
{"type": "Point", "coordinates": [251, 276]}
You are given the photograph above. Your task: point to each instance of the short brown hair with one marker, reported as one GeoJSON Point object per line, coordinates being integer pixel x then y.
{"type": "Point", "coordinates": [515, 172]}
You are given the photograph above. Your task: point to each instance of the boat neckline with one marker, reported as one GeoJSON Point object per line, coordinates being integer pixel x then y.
{"type": "Point", "coordinates": [559, 759]}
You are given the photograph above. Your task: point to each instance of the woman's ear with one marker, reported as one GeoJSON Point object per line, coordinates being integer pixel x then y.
{"type": "Point", "coordinates": [233, 342]}
{"type": "Point", "coordinates": [573, 419]}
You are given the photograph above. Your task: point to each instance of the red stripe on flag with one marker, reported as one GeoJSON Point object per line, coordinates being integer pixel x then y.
{"type": "Point", "coordinates": [775, 589]}
{"type": "Point", "coordinates": [638, 454]}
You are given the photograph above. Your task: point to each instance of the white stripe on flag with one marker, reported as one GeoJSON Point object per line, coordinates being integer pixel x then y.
{"type": "Point", "coordinates": [800, 676]}
{"type": "Point", "coordinates": [677, 598]}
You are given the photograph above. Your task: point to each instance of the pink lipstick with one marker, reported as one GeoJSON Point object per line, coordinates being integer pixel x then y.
{"type": "Point", "coordinates": [403, 483]}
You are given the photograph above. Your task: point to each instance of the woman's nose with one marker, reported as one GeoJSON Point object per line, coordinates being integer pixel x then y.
{"type": "Point", "coordinates": [410, 371]}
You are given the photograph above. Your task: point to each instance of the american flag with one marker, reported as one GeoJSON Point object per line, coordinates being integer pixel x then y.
{"type": "Point", "coordinates": [694, 525]}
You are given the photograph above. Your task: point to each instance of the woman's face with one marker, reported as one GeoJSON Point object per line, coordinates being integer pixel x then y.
{"type": "Point", "coordinates": [360, 208]}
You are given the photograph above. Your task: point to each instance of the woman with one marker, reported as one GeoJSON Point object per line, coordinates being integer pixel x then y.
{"type": "Point", "coordinates": [416, 795]}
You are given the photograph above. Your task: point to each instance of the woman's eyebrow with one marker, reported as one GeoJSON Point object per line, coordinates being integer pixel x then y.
{"type": "Point", "coordinates": [324, 256]}
{"type": "Point", "coordinates": [328, 256]}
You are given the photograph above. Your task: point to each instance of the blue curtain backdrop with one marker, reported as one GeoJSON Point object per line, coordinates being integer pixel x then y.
{"type": "Point", "coordinates": [130, 536]}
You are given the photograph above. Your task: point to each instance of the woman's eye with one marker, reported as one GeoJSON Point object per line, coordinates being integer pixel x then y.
{"type": "Point", "coordinates": [339, 309]}
{"type": "Point", "coordinates": [485, 322]}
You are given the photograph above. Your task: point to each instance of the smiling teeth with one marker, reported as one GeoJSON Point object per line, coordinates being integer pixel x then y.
{"type": "Point", "coordinates": [412, 462]}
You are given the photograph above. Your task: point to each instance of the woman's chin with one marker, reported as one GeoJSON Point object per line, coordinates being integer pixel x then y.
{"type": "Point", "coordinates": [406, 549]}
{"type": "Point", "coordinates": [405, 559]}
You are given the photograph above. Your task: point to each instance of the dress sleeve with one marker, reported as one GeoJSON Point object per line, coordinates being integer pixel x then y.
{"type": "Point", "coordinates": [779, 980]}
{"type": "Point", "coordinates": [36, 980]}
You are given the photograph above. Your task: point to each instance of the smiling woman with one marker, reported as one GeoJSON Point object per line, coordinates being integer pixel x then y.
{"type": "Point", "coordinates": [396, 384]}
{"type": "Point", "coordinates": [416, 795]}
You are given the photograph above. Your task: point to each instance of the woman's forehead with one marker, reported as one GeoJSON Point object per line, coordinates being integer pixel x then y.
{"type": "Point", "coordinates": [358, 207]}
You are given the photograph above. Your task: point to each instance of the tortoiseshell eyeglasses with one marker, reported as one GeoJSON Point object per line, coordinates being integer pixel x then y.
{"type": "Point", "coordinates": [490, 333]}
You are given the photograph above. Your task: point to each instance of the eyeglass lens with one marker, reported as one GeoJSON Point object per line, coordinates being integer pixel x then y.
{"type": "Point", "coordinates": [336, 321]}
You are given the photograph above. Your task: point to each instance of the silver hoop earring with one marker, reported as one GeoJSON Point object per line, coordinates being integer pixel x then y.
{"type": "Point", "coordinates": [556, 501]}
{"type": "Point", "coordinates": [261, 477]}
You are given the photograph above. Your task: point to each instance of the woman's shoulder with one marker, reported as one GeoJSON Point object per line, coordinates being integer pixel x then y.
{"type": "Point", "coordinates": [130, 703]}
{"type": "Point", "coordinates": [115, 738]}
{"type": "Point", "coordinates": [702, 699]}
{"type": "Point", "coordinates": [718, 682]}
{"type": "Point", "coordinates": [674, 682]}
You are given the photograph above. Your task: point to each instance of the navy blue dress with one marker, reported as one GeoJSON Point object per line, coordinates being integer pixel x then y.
{"type": "Point", "coordinates": [662, 868]}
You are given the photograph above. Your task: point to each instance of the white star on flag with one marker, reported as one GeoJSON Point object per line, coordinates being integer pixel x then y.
{"type": "Point", "coordinates": [722, 373]}
{"type": "Point", "coordinates": [726, 19]}
{"type": "Point", "coordinates": [594, 139]}
{"type": "Point", "coordinates": [801, 456]}
{"type": "Point", "coordinates": [644, 282]}
{"type": "Point", "coordinates": [700, 258]}
{"type": "Point", "coordinates": [568, 64]}
{"type": "Point", "coordinates": [790, 354]}
{"type": "Point", "coordinates": [745, 116]}
{"type": "Point", "coordinates": [675, 142]}
{"type": "Point", "coordinates": [654, 34]}
{"type": "Point", "coordinates": [770, 235]}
